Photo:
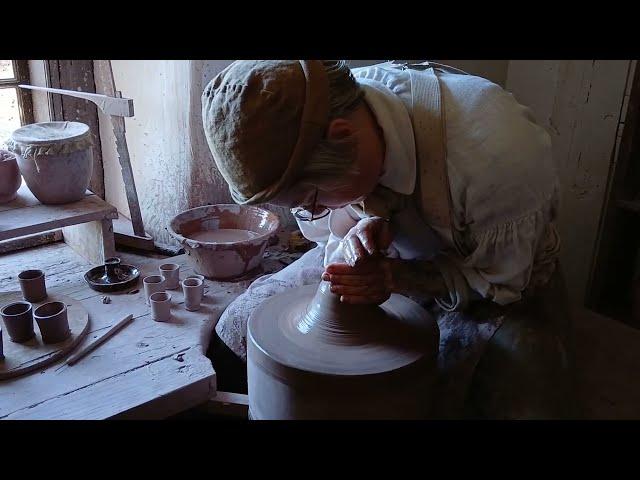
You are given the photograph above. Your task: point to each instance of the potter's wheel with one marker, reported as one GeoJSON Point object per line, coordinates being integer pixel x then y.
{"type": "Point", "coordinates": [309, 356]}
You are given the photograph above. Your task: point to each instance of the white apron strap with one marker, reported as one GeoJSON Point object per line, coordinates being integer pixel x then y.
{"type": "Point", "coordinates": [432, 190]}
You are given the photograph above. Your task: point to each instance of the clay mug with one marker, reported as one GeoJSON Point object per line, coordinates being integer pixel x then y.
{"type": "Point", "coordinates": [153, 284]}
{"type": "Point", "coordinates": [160, 306]}
{"type": "Point", "coordinates": [205, 287]}
{"type": "Point", "coordinates": [33, 285]}
{"type": "Point", "coordinates": [171, 273]}
{"type": "Point", "coordinates": [53, 322]}
{"type": "Point", "coordinates": [18, 321]}
{"type": "Point", "coordinates": [192, 288]}
{"type": "Point", "coordinates": [1, 350]}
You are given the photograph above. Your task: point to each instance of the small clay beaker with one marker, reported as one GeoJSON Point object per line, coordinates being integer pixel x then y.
{"type": "Point", "coordinates": [53, 322]}
{"type": "Point", "coordinates": [18, 321]}
{"type": "Point", "coordinates": [32, 285]}
{"type": "Point", "coordinates": [171, 273]}
{"type": "Point", "coordinates": [110, 265]}
{"type": "Point", "coordinates": [153, 284]}
{"type": "Point", "coordinates": [192, 288]}
{"type": "Point", "coordinates": [205, 287]}
{"type": "Point", "coordinates": [160, 306]}
{"type": "Point", "coordinates": [1, 348]}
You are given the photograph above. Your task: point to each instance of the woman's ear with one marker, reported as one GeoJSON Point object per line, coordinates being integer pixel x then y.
{"type": "Point", "coordinates": [339, 129]}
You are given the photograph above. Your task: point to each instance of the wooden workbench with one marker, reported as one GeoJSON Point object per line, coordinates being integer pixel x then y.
{"type": "Point", "coordinates": [148, 370]}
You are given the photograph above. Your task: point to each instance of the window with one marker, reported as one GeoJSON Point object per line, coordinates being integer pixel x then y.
{"type": "Point", "coordinates": [15, 103]}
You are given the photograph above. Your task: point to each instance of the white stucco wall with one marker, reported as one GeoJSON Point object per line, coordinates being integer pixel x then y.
{"type": "Point", "coordinates": [170, 161]}
{"type": "Point", "coordinates": [579, 102]}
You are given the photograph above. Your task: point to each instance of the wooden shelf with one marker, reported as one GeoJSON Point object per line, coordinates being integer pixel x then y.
{"type": "Point", "coordinates": [26, 215]}
{"type": "Point", "coordinates": [87, 225]}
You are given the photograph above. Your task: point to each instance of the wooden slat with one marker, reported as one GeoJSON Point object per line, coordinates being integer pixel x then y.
{"type": "Point", "coordinates": [105, 84]}
{"type": "Point", "coordinates": [29, 241]}
{"type": "Point", "coordinates": [25, 199]}
{"type": "Point", "coordinates": [123, 234]}
{"type": "Point", "coordinates": [21, 217]}
{"type": "Point", "coordinates": [226, 404]}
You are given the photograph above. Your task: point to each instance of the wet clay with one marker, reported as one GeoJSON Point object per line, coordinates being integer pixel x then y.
{"type": "Point", "coordinates": [309, 356]}
{"type": "Point", "coordinates": [222, 235]}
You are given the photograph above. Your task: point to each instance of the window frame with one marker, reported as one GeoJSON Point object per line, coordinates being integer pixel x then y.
{"type": "Point", "coordinates": [21, 76]}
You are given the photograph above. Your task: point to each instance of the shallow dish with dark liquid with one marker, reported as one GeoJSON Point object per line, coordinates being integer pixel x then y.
{"type": "Point", "coordinates": [112, 276]}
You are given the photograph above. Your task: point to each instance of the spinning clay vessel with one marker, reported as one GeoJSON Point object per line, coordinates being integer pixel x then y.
{"type": "Point", "coordinates": [309, 356]}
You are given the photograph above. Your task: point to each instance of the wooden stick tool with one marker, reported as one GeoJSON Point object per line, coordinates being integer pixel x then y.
{"type": "Point", "coordinates": [112, 331]}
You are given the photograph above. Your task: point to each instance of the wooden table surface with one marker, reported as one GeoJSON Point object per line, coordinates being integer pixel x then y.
{"type": "Point", "coordinates": [147, 370]}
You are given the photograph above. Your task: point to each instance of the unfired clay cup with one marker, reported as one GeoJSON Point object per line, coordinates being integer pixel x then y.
{"type": "Point", "coordinates": [171, 273]}
{"type": "Point", "coordinates": [33, 285]}
{"type": "Point", "coordinates": [1, 348]}
{"type": "Point", "coordinates": [53, 322]}
{"type": "Point", "coordinates": [153, 284]}
{"type": "Point", "coordinates": [193, 289]}
{"type": "Point", "coordinates": [160, 306]}
{"type": "Point", "coordinates": [18, 321]}
{"type": "Point", "coordinates": [205, 287]}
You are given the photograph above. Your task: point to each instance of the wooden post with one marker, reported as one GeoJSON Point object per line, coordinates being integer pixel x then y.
{"type": "Point", "coordinates": [93, 240]}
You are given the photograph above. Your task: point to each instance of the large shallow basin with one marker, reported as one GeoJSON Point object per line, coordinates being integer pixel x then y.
{"type": "Point", "coordinates": [224, 241]}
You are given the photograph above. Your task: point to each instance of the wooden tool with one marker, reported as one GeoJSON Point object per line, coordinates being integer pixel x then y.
{"type": "Point", "coordinates": [74, 358]}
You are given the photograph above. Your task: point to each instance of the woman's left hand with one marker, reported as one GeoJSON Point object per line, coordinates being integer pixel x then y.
{"type": "Point", "coordinates": [369, 282]}
{"type": "Point", "coordinates": [368, 237]}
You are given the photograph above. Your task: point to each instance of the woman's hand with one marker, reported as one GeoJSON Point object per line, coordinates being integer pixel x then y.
{"type": "Point", "coordinates": [368, 237]}
{"type": "Point", "coordinates": [369, 282]}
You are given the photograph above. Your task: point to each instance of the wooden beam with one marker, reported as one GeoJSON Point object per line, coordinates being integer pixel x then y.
{"type": "Point", "coordinates": [227, 404]}
{"type": "Point", "coordinates": [29, 241]}
{"type": "Point", "coordinates": [25, 103]}
{"type": "Point", "coordinates": [105, 83]}
{"type": "Point", "coordinates": [122, 107]}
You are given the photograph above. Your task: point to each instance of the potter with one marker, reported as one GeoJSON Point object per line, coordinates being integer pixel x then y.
{"type": "Point", "coordinates": [425, 182]}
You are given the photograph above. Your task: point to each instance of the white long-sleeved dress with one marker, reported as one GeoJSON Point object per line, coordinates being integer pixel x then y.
{"type": "Point", "coordinates": [503, 182]}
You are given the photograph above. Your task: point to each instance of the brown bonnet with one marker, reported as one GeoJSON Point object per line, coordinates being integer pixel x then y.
{"type": "Point", "coordinates": [262, 119]}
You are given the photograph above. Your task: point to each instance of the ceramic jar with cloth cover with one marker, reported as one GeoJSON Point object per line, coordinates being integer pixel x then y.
{"type": "Point", "coordinates": [55, 159]}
